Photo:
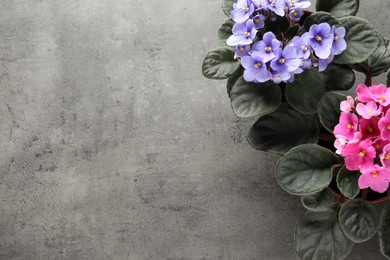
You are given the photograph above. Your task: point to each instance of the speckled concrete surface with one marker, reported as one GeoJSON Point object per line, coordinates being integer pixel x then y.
{"type": "Point", "coordinates": [113, 145]}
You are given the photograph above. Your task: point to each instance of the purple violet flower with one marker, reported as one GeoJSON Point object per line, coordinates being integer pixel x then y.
{"type": "Point", "coordinates": [296, 14]}
{"type": "Point", "coordinates": [321, 39]}
{"type": "Point", "coordinates": [243, 34]}
{"type": "Point", "coordinates": [277, 6]}
{"type": "Point", "coordinates": [302, 46]}
{"type": "Point", "coordinates": [267, 48]}
{"type": "Point", "coordinates": [293, 4]}
{"type": "Point", "coordinates": [339, 44]}
{"type": "Point", "coordinates": [279, 76]}
{"type": "Point", "coordinates": [242, 50]}
{"type": "Point", "coordinates": [260, 4]}
{"type": "Point", "coordinates": [323, 63]}
{"type": "Point", "coordinates": [286, 60]}
{"type": "Point", "coordinates": [243, 9]}
{"type": "Point", "coordinates": [258, 21]}
{"type": "Point", "coordinates": [255, 69]}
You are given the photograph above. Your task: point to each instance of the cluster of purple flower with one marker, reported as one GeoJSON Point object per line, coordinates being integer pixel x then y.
{"type": "Point", "coordinates": [245, 9]}
{"type": "Point", "coordinates": [270, 59]}
{"type": "Point", "coordinates": [267, 59]}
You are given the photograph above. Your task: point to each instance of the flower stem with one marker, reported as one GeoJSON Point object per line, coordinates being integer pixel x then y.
{"type": "Point", "coordinates": [364, 194]}
{"type": "Point", "coordinates": [368, 81]}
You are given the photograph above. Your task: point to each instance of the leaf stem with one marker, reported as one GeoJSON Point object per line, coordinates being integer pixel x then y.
{"type": "Point", "coordinates": [364, 194]}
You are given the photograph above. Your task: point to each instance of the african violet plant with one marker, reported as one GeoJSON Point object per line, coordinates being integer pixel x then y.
{"type": "Point", "coordinates": [286, 66]}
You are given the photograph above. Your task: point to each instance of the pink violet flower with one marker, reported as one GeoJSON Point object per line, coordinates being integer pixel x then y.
{"type": "Point", "coordinates": [347, 105]}
{"type": "Point", "coordinates": [378, 145]}
{"type": "Point", "coordinates": [381, 94]}
{"type": "Point", "coordinates": [363, 93]}
{"type": "Point", "coordinates": [339, 144]}
{"type": "Point", "coordinates": [385, 156]}
{"type": "Point", "coordinates": [375, 177]}
{"type": "Point", "coordinates": [384, 126]}
{"type": "Point", "coordinates": [347, 126]}
{"type": "Point", "coordinates": [359, 155]}
{"type": "Point", "coordinates": [369, 110]}
{"type": "Point", "coordinates": [369, 127]}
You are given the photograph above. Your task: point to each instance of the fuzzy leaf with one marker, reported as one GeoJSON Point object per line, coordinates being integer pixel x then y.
{"type": "Point", "coordinates": [339, 77]}
{"type": "Point", "coordinates": [318, 236]}
{"type": "Point", "coordinates": [320, 17]}
{"type": "Point", "coordinates": [329, 109]}
{"type": "Point", "coordinates": [306, 91]}
{"type": "Point", "coordinates": [359, 220]}
{"type": "Point", "coordinates": [362, 40]}
{"type": "Point", "coordinates": [233, 79]}
{"type": "Point", "coordinates": [347, 182]}
{"type": "Point", "coordinates": [254, 99]}
{"type": "Point", "coordinates": [317, 202]}
{"type": "Point", "coordinates": [220, 64]}
{"type": "Point", "coordinates": [225, 31]}
{"type": "Point", "coordinates": [227, 6]}
{"type": "Point", "coordinates": [379, 61]}
{"type": "Point", "coordinates": [338, 8]}
{"type": "Point", "coordinates": [282, 130]}
{"type": "Point", "coordinates": [306, 169]}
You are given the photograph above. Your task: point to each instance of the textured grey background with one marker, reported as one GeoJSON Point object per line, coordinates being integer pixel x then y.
{"type": "Point", "coordinates": [113, 145]}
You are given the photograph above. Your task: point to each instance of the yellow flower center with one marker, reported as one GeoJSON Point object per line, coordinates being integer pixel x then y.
{"type": "Point", "coordinates": [337, 37]}
{"type": "Point", "coordinates": [247, 34]}
{"type": "Point", "coordinates": [296, 13]}
{"type": "Point", "coordinates": [245, 9]}
{"type": "Point", "coordinates": [387, 156]}
{"type": "Point", "coordinates": [318, 38]}
{"type": "Point", "coordinates": [257, 65]}
{"type": "Point", "coordinates": [268, 49]}
{"type": "Point", "coordinates": [369, 112]}
{"type": "Point", "coordinates": [369, 129]}
{"type": "Point", "coordinates": [350, 126]}
{"type": "Point", "coordinates": [377, 145]}
{"type": "Point", "coordinates": [282, 60]}
{"type": "Point", "coordinates": [242, 48]}
{"type": "Point", "coordinates": [362, 153]}
{"type": "Point", "coordinates": [293, 2]}
{"type": "Point", "coordinates": [273, 3]}
{"type": "Point", "coordinates": [257, 20]}
{"type": "Point", "coordinates": [374, 174]}
{"type": "Point", "coordinates": [304, 48]}
{"type": "Point", "coordinates": [388, 127]}
{"type": "Point", "coordinates": [383, 98]}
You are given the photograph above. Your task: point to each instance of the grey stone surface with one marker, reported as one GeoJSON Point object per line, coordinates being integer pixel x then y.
{"type": "Point", "coordinates": [113, 145]}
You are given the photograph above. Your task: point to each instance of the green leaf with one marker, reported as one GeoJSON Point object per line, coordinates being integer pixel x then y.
{"type": "Point", "coordinates": [306, 169]}
{"type": "Point", "coordinates": [254, 99]}
{"type": "Point", "coordinates": [293, 31]}
{"type": "Point", "coordinates": [318, 235]}
{"type": "Point", "coordinates": [233, 79]}
{"type": "Point", "coordinates": [362, 40]}
{"type": "Point", "coordinates": [320, 17]}
{"type": "Point", "coordinates": [282, 130]}
{"type": "Point", "coordinates": [379, 61]}
{"type": "Point", "coordinates": [220, 64]}
{"type": "Point", "coordinates": [225, 31]}
{"type": "Point", "coordinates": [359, 220]}
{"type": "Point", "coordinates": [306, 91]}
{"type": "Point", "coordinates": [317, 202]}
{"type": "Point", "coordinates": [384, 231]}
{"type": "Point", "coordinates": [339, 77]}
{"type": "Point", "coordinates": [227, 6]}
{"type": "Point", "coordinates": [329, 109]}
{"type": "Point", "coordinates": [339, 8]}
{"type": "Point", "coordinates": [347, 182]}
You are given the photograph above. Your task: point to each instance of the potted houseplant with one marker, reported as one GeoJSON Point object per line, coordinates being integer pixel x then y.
{"type": "Point", "coordinates": [285, 66]}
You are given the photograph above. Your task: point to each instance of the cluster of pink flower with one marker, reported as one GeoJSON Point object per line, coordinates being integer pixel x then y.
{"type": "Point", "coordinates": [363, 136]}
